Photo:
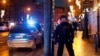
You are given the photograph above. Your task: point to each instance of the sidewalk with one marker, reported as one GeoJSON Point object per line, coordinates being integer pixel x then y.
{"type": "Point", "coordinates": [81, 47]}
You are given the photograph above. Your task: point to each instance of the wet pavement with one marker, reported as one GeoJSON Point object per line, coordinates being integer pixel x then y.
{"type": "Point", "coordinates": [82, 47]}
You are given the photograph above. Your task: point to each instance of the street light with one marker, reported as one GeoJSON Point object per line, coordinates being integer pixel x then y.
{"type": "Point", "coordinates": [95, 8]}
{"type": "Point", "coordinates": [4, 1]}
{"type": "Point", "coordinates": [28, 9]}
{"type": "Point", "coordinates": [99, 5]}
{"type": "Point", "coordinates": [69, 0]}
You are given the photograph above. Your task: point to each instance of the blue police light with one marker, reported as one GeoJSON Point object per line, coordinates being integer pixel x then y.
{"type": "Point", "coordinates": [31, 23]}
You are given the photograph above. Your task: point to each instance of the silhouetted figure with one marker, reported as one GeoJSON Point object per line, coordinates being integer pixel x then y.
{"type": "Point", "coordinates": [64, 34]}
{"type": "Point", "coordinates": [85, 27]}
{"type": "Point", "coordinates": [75, 26]}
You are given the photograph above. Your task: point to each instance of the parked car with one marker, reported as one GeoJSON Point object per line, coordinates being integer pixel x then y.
{"type": "Point", "coordinates": [4, 26]}
{"type": "Point", "coordinates": [23, 37]}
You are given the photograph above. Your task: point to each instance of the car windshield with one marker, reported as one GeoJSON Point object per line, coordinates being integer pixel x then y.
{"type": "Point", "coordinates": [19, 29]}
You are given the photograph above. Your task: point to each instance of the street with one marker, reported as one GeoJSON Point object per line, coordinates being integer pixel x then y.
{"type": "Point", "coordinates": [26, 52]}
{"type": "Point", "coordinates": [33, 23]}
{"type": "Point", "coordinates": [81, 48]}
{"type": "Point", "coordinates": [3, 37]}
{"type": "Point", "coordinates": [3, 44]}
{"type": "Point", "coordinates": [4, 51]}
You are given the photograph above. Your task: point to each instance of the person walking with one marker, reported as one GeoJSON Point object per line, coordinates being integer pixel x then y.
{"type": "Point", "coordinates": [64, 34]}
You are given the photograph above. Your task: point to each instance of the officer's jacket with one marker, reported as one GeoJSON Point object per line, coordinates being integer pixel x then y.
{"type": "Point", "coordinates": [64, 32]}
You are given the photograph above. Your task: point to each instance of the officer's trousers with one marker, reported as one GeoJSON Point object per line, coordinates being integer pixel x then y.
{"type": "Point", "coordinates": [68, 46]}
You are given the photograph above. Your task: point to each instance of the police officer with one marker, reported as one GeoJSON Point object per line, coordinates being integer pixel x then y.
{"type": "Point", "coordinates": [64, 34]}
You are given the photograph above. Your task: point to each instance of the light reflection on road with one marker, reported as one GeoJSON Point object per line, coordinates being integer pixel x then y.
{"type": "Point", "coordinates": [81, 48]}
{"type": "Point", "coordinates": [4, 51]}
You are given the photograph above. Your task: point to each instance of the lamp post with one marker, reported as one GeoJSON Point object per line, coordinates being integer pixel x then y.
{"type": "Point", "coordinates": [47, 27]}
{"type": "Point", "coordinates": [27, 13]}
{"type": "Point", "coordinates": [10, 5]}
{"type": "Point", "coordinates": [98, 25]}
{"type": "Point", "coordinates": [28, 10]}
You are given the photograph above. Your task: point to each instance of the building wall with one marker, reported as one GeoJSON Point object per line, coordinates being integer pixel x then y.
{"type": "Point", "coordinates": [93, 19]}
{"type": "Point", "coordinates": [58, 12]}
{"type": "Point", "coordinates": [18, 9]}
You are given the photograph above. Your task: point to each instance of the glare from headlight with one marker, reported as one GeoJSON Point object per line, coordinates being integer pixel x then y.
{"type": "Point", "coordinates": [12, 24]}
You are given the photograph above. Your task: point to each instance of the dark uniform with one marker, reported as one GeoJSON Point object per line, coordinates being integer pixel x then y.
{"type": "Point", "coordinates": [64, 34]}
{"type": "Point", "coordinates": [75, 26]}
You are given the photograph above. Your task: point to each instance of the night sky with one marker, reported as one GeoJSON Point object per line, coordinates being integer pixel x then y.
{"type": "Point", "coordinates": [57, 2]}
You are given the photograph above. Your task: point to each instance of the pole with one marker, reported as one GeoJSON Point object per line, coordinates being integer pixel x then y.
{"type": "Point", "coordinates": [98, 26]}
{"type": "Point", "coordinates": [47, 27]}
{"type": "Point", "coordinates": [66, 6]}
{"type": "Point", "coordinates": [53, 11]}
{"type": "Point", "coordinates": [85, 30]}
{"type": "Point", "coordinates": [81, 6]}
{"type": "Point", "coordinates": [10, 10]}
